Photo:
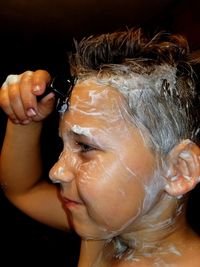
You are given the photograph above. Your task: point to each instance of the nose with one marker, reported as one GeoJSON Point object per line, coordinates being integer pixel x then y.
{"type": "Point", "coordinates": [64, 170]}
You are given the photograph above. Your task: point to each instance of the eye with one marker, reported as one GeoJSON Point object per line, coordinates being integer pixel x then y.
{"type": "Point", "coordinates": [85, 147]}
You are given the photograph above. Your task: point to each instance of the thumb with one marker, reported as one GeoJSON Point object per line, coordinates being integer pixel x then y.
{"type": "Point", "coordinates": [45, 107]}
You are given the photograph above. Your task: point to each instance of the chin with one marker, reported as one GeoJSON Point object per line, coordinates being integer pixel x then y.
{"type": "Point", "coordinates": [94, 233]}
{"type": "Point", "coordinates": [88, 229]}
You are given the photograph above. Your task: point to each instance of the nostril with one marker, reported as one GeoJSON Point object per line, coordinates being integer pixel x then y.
{"type": "Point", "coordinates": [54, 181]}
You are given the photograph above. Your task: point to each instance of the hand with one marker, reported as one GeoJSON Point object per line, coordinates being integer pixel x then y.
{"type": "Point", "coordinates": [18, 97]}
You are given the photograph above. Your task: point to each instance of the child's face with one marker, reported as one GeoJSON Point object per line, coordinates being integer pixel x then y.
{"type": "Point", "coordinates": [105, 169]}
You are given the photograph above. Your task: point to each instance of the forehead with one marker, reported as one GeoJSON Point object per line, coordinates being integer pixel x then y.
{"type": "Point", "coordinates": [93, 103]}
{"type": "Point", "coordinates": [89, 94]}
{"type": "Point", "coordinates": [99, 112]}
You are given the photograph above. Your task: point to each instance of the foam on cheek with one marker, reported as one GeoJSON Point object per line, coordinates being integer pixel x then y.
{"type": "Point", "coordinates": [106, 177]}
{"type": "Point", "coordinates": [153, 183]}
{"type": "Point", "coordinates": [96, 208]}
{"type": "Point", "coordinates": [152, 188]}
{"type": "Point", "coordinates": [105, 134]}
{"type": "Point", "coordinates": [87, 171]}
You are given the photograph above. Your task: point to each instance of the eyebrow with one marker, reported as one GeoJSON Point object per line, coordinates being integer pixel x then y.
{"type": "Point", "coordinates": [81, 131]}
{"type": "Point", "coordinates": [74, 134]}
{"type": "Point", "coordinates": [77, 131]}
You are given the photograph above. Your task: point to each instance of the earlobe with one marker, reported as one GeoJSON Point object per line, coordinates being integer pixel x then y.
{"type": "Point", "coordinates": [183, 168]}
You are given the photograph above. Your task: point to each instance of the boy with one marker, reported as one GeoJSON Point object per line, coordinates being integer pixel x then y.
{"type": "Point", "coordinates": [130, 150]}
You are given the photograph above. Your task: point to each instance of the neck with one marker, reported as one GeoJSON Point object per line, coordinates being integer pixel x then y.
{"type": "Point", "coordinates": [90, 253]}
{"type": "Point", "coordinates": [155, 232]}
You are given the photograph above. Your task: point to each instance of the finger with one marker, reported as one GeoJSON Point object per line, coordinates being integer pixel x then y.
{"type": "Point", "coordinates": [5, 105]}
{"type": "Point", "coordinates": [41, 79]}
{"type": "Point", "coordinates": [16, 102]}
{"type": "Point", "coordinates": [45, 106]}
{"type": "Point", "coordinates": [11, 79]}
{"type": "Point", "coordinates": [28, 99]}
{"type": "Point", "coordinates": [33, 84]}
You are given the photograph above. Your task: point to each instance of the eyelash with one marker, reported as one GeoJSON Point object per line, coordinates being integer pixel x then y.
{"type": "Point", "coordinates": [85, 148]}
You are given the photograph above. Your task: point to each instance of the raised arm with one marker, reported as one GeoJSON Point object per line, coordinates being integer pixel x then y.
{"type": "Point", "coordinates": [20, 163]}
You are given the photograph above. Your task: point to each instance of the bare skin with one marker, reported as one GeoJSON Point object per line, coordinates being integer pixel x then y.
{"type": "Point", "coordinates": [41, 200]}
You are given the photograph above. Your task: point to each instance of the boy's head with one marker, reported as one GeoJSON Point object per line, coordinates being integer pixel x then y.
{"type": "Point", "coordinates": [126, 132]}
{"type": "Point", "coordinates": [154, 74]}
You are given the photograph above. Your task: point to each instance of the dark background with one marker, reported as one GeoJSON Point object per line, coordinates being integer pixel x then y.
{"type": "Point", "coordinates": [37, 35]}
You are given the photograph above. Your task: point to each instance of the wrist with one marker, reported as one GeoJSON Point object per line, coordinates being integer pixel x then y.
{"type": "Point", "coordinates": [29, 131]}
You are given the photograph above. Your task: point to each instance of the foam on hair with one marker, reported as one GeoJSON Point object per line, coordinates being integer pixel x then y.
{"type": "Point", "coordinates": [154, 73]}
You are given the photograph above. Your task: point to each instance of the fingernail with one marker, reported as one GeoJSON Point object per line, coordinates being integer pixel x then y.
{"type": "Point", "coordinates": [50, 97]}
{"type": "Point", "coordinates": [30, 112]}
{"type": "Point", "coordinates": [16, 121]}
{"type": "Point", "coordinates": [25, 122]}
{"type": "Point", "coordinates": [36, 88]}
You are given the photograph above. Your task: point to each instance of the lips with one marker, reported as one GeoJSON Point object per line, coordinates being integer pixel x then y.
{"type": "Point", "coordinates": [69, 203]}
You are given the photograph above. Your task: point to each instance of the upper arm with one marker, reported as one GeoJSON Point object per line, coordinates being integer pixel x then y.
{"type": "Point", "coordinates": [42, 204]}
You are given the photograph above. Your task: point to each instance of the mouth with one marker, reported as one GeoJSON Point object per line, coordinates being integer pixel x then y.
{"type": "Point", "coordinates": [69, 203]}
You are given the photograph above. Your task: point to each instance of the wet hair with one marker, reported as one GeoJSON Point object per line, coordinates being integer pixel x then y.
{"type": "Point", "coordinates": [156, 74]}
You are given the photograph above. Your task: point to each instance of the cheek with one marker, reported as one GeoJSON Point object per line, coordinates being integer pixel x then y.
{"type": "Point", "coordinates": [108, 189]}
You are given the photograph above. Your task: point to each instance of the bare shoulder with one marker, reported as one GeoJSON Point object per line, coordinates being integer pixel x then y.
{"type": "Point", "coordinates": [192, 256]}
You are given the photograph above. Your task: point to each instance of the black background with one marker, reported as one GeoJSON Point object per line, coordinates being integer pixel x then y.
{"type": "Point", "coordinates": [37, 35]}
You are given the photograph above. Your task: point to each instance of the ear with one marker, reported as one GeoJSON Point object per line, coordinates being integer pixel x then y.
{"type": "Point", "coordinates": [183, 168]}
